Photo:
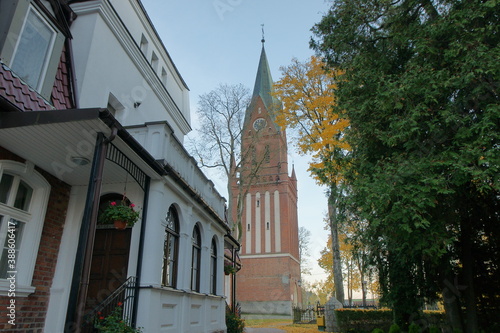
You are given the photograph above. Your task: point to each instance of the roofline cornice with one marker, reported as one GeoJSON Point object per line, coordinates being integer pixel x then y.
{"type": "Point", "coordinates": [116, 25]}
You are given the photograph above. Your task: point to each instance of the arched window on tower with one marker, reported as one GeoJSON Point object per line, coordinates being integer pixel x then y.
{"type": "Point", "coordinates": [267, 154]}
{"type": "Point", "coordinates": [196, 259]}
{"type": "Point", "coordinates": [170, 249]}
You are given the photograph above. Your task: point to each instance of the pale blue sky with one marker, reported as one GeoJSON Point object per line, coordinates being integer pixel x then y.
{"type": "Point", "coordinates": [219, 41]}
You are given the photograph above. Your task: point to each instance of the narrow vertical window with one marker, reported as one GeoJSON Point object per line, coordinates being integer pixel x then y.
{"type": "Point", "coordinates": [144, 45]}
{"type": "Point", "coordinates": [154, 61]}
{"type": "Point", "coordinates": [164, 76]}
{"type": "Point", "coordinates": [170, 246]}
{"type": "Point", "coordinates": [196, 259]}
{"type": "Point", "coordinates": [24, 195]}
{"type": "Point", "coordinates": [14, 193]}
{"type": "Point", "coordinates": [213, 267]}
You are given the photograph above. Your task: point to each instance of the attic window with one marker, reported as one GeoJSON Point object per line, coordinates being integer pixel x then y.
{"type": "Point", "coordinates": [164, 76]}
{"type": "Point", "coordinates": [154, 61]}
{"type": "Point", "coordinates": [144, 44]}
{"type": "Point", "coordinates": [33, 50]}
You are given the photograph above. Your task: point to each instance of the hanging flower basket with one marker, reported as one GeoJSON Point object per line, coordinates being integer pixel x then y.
{"type": "Point", "coordinates": [229, 268]}
{"type": "Point", "coordinates": [120, 215]}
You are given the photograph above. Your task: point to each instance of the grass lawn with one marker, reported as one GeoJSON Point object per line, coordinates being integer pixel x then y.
{"type": "Point", "coordinates": [282, 324]}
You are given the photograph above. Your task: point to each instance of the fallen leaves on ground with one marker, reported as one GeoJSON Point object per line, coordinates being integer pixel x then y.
{"type": "Point", "coordinates": [300, 328]}
{"type": "Point", "coordinates": [285, 325]}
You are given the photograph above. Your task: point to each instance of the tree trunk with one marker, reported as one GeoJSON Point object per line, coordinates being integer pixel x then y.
{"type": "Point", "coordinates": [452, 306]}
{"type": "Point", "coordinates": [337, 264]}
{"type": "Point", "coordinates": [349, 284]}
{"type": "Point", "coordinates": [468, 273]}
{"type": "Point", "coordinates": [363, 287]}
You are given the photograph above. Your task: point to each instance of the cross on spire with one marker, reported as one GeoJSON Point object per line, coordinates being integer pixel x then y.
{"type": "Point", "coordinates": [262, 40]}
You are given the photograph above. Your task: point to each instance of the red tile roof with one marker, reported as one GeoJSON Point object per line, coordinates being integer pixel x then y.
{"type": "Point", "coordinates": [22, 96]}
{"type": "Point", "coordinates": [61, 93]}
{"type": "Point", "coordinates": [18, 93]}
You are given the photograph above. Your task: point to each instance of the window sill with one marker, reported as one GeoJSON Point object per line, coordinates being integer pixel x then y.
{"type": "Point", "coordinates": [18, 291]}
{"type": "Point", "coordinates": [183, 291]}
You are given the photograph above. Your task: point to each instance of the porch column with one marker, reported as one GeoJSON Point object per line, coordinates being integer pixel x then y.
{"type": "Point", "coordinates": [81, 271]}
{"type": "Point", "coordinates": [154, 236]}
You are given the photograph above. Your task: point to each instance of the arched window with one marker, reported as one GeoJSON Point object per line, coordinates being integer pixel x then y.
{"type": "Point", "coordinates": [196, 259]}
{"type": "Point", "coordinates": [170, 249]}
{"type": "Point", "coordinates": [15, 193]}
{"type": "Point", "coordinates": [23, 200]}
{"type": "Point", "coordinates": [213, 267]}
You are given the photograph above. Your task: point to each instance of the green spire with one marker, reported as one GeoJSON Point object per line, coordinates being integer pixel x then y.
{"type": "Point", "coordinates": [264, 83]}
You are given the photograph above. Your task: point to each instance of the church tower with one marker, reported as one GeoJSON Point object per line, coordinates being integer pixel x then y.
{"type": "Point", "coordinates": [269, 281]}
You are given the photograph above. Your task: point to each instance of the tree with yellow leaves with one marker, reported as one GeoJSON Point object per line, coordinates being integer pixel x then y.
{"type": "Point", "coordinates": [307, 93]}
{"type": "Point", "coordinates": [306, 90]}
{"type": "Point", "coordinates": [359, 276]}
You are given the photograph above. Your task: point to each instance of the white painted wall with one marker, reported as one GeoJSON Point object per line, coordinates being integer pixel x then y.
{"type": "Point", "coordinates": [109, 61]}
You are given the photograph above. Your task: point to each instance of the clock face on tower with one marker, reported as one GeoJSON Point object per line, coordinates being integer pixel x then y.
{"type": "Point", "coordinates": [259, 124]}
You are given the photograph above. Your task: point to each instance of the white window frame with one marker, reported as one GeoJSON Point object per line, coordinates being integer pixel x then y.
{"type": "Point", "coordinates": [213, 267]}
{"type": "Point", "coordinates": [50, 47]}
{"type": "Point", "coordinates": [33, 218]}
{"type": "Point", "coordinates": [196, 253]}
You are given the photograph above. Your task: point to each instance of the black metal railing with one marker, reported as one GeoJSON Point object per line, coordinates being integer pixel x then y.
{"type": "Point", "coordinates": [304, 316]}
{"type": "Point", "coordinates": [123, 297]}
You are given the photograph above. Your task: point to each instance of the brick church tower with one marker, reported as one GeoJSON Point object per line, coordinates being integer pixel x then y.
{"type": "Point", "coordinates": [269, 281]}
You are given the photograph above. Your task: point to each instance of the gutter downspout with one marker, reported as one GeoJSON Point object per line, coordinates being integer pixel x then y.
{"type": "Point", "coordinates": [140, 253]}
{"type": "Point", "coordinates": [81, 271]}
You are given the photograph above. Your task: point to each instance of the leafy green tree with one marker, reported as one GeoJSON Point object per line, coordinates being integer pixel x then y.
{"type": "Point", "coordinates": [420, 89]}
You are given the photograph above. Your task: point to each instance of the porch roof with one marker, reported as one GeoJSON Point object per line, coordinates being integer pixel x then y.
{"type": "Point", "coordinates": [53, 139]}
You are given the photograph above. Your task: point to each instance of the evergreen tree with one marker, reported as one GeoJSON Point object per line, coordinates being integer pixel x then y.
{"type": "Point", "coordinates": [420, 90]}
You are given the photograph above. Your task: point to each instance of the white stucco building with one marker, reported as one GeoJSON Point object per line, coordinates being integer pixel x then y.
{"type": "Point", "coordinates": [103, 121]}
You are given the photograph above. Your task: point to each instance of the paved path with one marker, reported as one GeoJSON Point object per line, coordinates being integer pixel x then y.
{"type": "Point", "coordinates": [263, 330]}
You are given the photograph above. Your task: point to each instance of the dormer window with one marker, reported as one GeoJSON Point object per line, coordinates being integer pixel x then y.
{"type": "Point", "coordinates": [31, 44]}
{"type": "Point", "coordinates": [154, 61]}
{"type": "Point", "coordinates": [144, 45]}
{"type": "Point", "coordinates": [31, 55]}
{"type": "Point", "coordinates": [164, 76]}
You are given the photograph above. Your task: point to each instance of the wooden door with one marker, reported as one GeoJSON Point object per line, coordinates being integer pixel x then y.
{"type": "Point", "coordinates": [109, 264]}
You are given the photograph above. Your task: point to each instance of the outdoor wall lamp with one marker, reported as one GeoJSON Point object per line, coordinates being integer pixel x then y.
{"type": "Point", "coordinates": [80, 160]}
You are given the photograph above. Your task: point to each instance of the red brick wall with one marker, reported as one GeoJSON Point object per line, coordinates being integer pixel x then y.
{"type": "Point", "coordinates": [261, 279]}
{"type": "Point", "coordinates": [31, 310]}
